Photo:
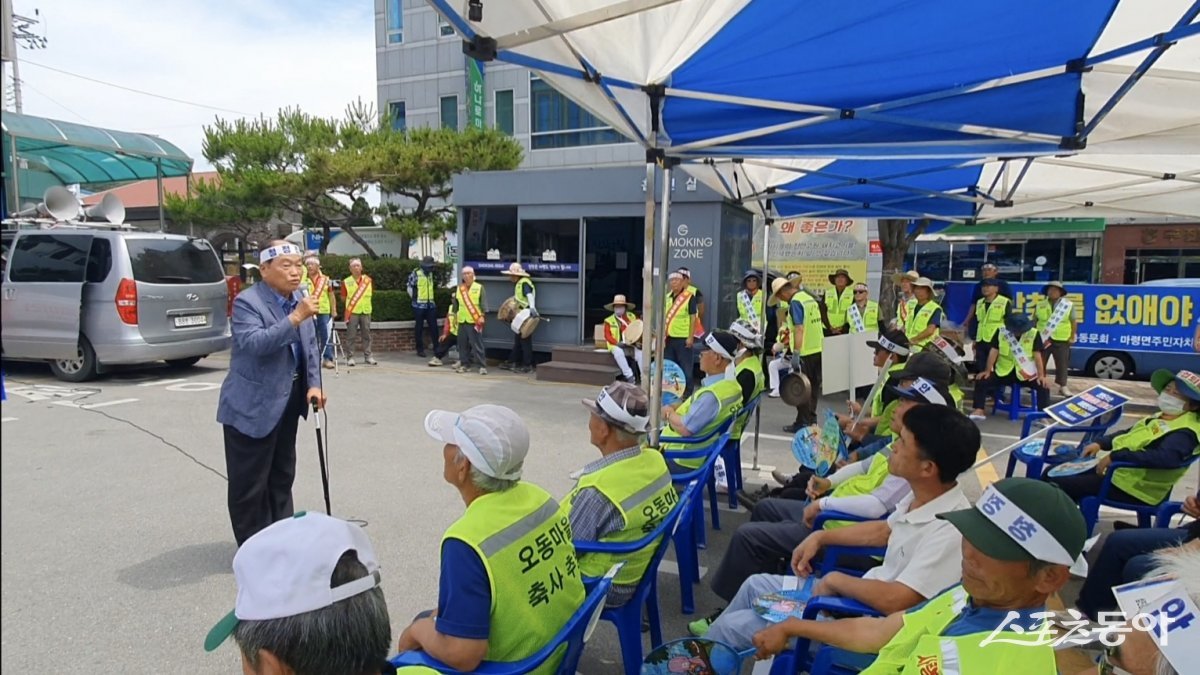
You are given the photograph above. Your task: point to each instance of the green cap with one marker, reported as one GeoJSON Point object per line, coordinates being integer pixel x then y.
{"type": "Point", "coordinates": [1186, 382]}
{"type": "Point", "coordinates": [1057, 531]}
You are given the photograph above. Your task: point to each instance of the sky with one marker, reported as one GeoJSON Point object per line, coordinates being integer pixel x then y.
{"type": "Point", "coordinates": [248, 58]}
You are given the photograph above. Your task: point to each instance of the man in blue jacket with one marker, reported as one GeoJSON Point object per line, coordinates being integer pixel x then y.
{"type": "Point", "coordinates": [274, 372]}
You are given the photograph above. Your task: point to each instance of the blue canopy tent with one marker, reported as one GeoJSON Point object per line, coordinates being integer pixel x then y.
{"type": "Point", "coordinates": [934, 88]}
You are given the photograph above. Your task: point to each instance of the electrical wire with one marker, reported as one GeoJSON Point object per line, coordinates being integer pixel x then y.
{"type": "Point", "coordinates": [136, 91]}
{"type": "Point", "coordinates": [50, 98]}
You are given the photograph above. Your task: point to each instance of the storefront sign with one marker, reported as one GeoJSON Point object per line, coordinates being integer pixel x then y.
{"type": "Point", "coordinates": [492, 266]}
{"type": "Point", "coordinates": [475, 94]}
{"type": "Point", "coordinates": [1123, 318]}
{"type": "Point", "coordinates": [817, 248]}
{"type": "Point", "coordinates": [1166, 236]}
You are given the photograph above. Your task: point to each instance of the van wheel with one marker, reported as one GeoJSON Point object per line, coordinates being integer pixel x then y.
{"type": "Point", "coordinates": [79, 369]}
{"type": "Point", "coordinates": [179, 364]}
{"type": "Point", "coordinates": [1110, 366]}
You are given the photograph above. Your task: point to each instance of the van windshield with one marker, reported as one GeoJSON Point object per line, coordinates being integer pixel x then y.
{"type": "Point", "coordinates": [174, 261]}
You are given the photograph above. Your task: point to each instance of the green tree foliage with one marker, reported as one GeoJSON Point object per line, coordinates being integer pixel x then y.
{"type": "Point", "coordinates": [418, 166]}
{"type": "Point", "coordinates": [295, 165]}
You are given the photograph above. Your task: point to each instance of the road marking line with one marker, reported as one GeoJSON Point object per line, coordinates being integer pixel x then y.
{"type": "Point", "coordinates": [159, 383]}
{"type": "Point", "coordinates": [93, 406]}
{"type": "Point", "coordinates": [986, 473]}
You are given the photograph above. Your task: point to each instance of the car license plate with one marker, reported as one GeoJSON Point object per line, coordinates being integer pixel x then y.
{"type": "Point", "coordinates": [191, 320]}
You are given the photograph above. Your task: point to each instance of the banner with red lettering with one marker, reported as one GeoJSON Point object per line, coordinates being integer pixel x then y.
{"type": "Point", "coordinates": [817, 247]}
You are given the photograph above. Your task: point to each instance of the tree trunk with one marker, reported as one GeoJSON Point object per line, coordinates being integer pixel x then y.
{"type": "Point", "coordinates": [895, 239]}
{"type": "Point", "coordinates": [324, 238]}
{"type": "Point", "coordinates": [361, 242]}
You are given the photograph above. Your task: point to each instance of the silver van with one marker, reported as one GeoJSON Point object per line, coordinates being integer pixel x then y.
{"type": "Point", "coordinates": [83, 299]}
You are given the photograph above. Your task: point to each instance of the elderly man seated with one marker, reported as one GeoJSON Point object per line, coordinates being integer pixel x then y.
{"type": "Point", "coordinates": [1018, 544]}
{"type": "Point", "coordinates": [509, 577]}
{"type": "Point", "coordinates": [718, 398]}
{"type": "Point", "coordinates": [936, 445]}
{"type": "Point", "coordinates": [623, 495]}
{"type": "Point", "coordinates": [308, 601]}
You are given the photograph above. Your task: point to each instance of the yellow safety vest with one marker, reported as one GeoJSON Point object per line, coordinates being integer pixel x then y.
{"type": "Point", "coordinates": [870, 317]}
{"type": "Point", "coordinates": [615, 325]}
{"type": "Point", "coordinates": [364, 303]}
{"type": "Point", "coordinates": [681, 324]}
{"type": "Point", "coordinates": [877, 402]}
{"type": "Point", "coordinates": [729, 398]}
{"type": "Point", "coordinates": [754, 365]}
{"type": "Point", "coordinates": [884, 427]}
{"type": "Point", "coordinates": [1152, 485]}
{"type": "Point", "coordinates": [424, 287]}
{"type": "Point", "coordinates": [814, 330]}
{"type": "Point", "coordinates": [1006, 362]}
{"type": "Point", "coordinates": [752, 312]}
{"type": "Point", "coordinates": [918, 322]}
{"type": "Point", "coordinates": [523, 291]}
{"type": "Point", "coordinates": [920, 649]}
{"type": "Point", "coordinates": [475, 293]}
{"type": "Point", "coordinates": [452, 322]}
{"type": "Point", "coordinates": [524, 539]}
{"type": "Point", "coordinates": [862, 484]}
{"type": "Point", "coordinates": [640, 487]}
{"type": "Point", "coordinates": [837, 304]}
{"type": "Point", "coordinates": [325, 302]}
{"type": "Point", "coordinates": [1043, 311]}
{"type": "Point", "coordinates": [990, 317]}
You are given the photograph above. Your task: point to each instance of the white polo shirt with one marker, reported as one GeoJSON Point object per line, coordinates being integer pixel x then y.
{"type": "Point", "coordinates": [923, 553]}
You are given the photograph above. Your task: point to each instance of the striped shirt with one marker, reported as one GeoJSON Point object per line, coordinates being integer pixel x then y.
{"type": "Point", "coordinates": [594, 517]}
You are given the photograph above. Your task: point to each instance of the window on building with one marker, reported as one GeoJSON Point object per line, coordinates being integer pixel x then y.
{"type": "Point", "coordinates": [1043, 260]}
{"type": "Point", "coordinates": [449, 106]}
{"type": "Point", "coordinates": [550, 248]}
{"type": "Point", "coordinates": [557, 122]}
{"type": "Point", "coordinates": [395, 21]}
{"type": "Point", "coordinates": [489, 238]}
{"type": "Point", "coordinates": [444, 27]}
{"type": "Point", "coordinates": [1079, 260]}
{"type": "Point", "coordinates": [396, 112]}
{"type": "Point", "coordinates": [504, 111]}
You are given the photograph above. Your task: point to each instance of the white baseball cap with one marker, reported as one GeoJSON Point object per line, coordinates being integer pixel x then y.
{"type": "Point", "coordinates": [492, 437]}
{"type": "Point", "coordinates": [286, 569]}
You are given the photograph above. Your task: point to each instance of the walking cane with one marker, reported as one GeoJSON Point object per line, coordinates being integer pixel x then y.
{"type": "Point", "coordinates": [316, 410]}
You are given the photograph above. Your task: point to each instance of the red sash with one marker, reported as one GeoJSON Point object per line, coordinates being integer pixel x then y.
{"type": "Point", "coordinates": [465, 298]}
{"type": "Point", "coordinates": [320, 287]}
{"type": "Point", "coordinates": [363, 284]}
{"type": "Point", "coordinates": [680, 300]}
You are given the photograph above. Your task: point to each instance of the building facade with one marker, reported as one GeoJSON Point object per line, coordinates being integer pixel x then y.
{"type": "Point", "coordinates": [425, 80]}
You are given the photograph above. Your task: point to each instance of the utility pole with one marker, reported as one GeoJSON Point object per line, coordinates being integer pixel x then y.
{"type": "Point", "coordinates": [17, 29]}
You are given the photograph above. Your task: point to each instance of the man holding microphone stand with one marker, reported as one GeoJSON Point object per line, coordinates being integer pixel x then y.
{"type": "Point", "coordinates": [274, 375]}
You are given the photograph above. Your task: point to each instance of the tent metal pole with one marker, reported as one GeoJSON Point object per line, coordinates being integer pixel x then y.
{"type": "Point", "coordinates": [658, 303]}
{"type": "Point", "coordinates": [648, 306]}
{"type": "Point", "coordinates": [765, 287]}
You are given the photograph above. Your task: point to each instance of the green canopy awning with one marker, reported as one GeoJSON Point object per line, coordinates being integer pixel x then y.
{"type": "Point", "coordinates": [1025, 226]}
{"type": "Point", "coordinates": [76, 153]}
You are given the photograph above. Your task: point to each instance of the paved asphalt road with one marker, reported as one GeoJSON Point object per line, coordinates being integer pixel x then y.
{"type": "Point", "coordinates": [116, 543]}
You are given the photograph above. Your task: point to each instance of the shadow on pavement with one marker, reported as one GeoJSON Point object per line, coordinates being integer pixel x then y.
{"type": "Point", "coordinates": [180, 567]}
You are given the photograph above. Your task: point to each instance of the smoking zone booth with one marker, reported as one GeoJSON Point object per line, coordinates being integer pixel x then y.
{"type": "Point", "coordinates": [580, 233]}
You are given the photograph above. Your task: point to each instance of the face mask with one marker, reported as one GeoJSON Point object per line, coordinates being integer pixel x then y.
{"type": "Point", "coordinates": [619, 311]}
{"type": "Point", "coordinates": [1169, 404]}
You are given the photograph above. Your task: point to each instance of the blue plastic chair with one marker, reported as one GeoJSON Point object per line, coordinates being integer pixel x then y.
{"type": "Point", "coordinates": [574, 635]}
{"type": "Point", "coordinates": [704, 445]}
{"type": "Point", "coordinates": [1013, 403]}
{"type": "Point", "coordinates": [628, 617]}
{"type": "Point", "coordinates": [688, 536]}
{"type": "Point", "coordinates": [732, 453]}
{"type": "Point", "coordinates": [1036, 466]}
{"type": "Point", "coordinates": [797, 659]}
{"type": "Point", "coordinates": [1162, 511]}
